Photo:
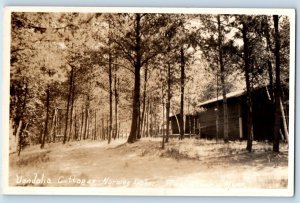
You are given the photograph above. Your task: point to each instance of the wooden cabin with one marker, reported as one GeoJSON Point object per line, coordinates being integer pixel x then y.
{"type": "Point", "coordinates": [208, 121]}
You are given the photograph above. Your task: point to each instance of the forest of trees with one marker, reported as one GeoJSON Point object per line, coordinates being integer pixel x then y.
{"type": "Point", "coordinates": [79, 76]}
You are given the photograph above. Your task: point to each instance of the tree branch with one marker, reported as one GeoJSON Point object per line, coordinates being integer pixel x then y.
{"type": "Point", "coordinates": [127, 53]}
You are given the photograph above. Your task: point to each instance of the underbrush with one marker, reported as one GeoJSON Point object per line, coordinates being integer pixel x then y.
{"type": "Point", "coordinates": [195, 149]}
{"type": "Point", "coordinates": [177, 154]}
{"type": "Point", "coordinates": [34, 159]}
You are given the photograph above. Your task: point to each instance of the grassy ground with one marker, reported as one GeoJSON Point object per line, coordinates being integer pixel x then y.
{"type": "Point", "coordinates": [188, 163]}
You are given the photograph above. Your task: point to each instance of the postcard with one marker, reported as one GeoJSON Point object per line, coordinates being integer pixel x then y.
{"type": "Point", "coordinates": [148, 101]}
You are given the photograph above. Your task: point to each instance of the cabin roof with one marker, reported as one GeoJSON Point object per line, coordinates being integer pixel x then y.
{"type": "Point", "coordinates": [220, 98]}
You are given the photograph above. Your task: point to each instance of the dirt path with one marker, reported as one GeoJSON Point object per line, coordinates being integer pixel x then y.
{"type": "Point", "coordinates": [193, 163]}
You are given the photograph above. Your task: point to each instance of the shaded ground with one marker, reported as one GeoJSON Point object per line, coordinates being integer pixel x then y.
{"type": "Point", "coordinates": [187, 163]}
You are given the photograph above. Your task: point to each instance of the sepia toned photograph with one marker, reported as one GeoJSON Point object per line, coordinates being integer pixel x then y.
{"type": "Point", "coordinates": [149, 101]}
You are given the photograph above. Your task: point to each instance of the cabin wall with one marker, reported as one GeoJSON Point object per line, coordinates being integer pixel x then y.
{"type": "Point", "coordinates": [208, 126]}
{"type": "Point", "coordinates": [263, 118]}
{"type": "Point", "coordinates": [212, 127]}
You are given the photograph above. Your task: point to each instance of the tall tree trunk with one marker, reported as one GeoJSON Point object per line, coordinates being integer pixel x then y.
{"type": "Point", "coordinates": [18, 138]}
{"type": "Point", "coordinates": [75, 126]}
{"type": "Point", "coordinates": [147, 120]}
{"type": "Point", "coordinates": [47, 117]}
{"type": "Point", "coordinates": [22, 129]}
{"type": "Point", "coordinates": [20, 111]}
{"type": "Point", "coordinates": [110, 97]}
{"type": "Point", "coordinates": [89, 125]}
{"type": "Point", "coordinates": [119, 128]}
{"type": "Point", "coordinates": [269, 63]}
{"type": "Point", "coordinates": [53, 125]}
{"type": "Point", "coordinates": [188, 116]}
{"type": "Point", "coordinates": [163, 117]}
{"type": "Point", "coordinates": [150, 131]}
{"type": "Point", "coordinates": [71, 111]}
{"type": "Point", "coordinates": [138, 123]}
{"type": "Point", "coordinates": [217, 108]}
{"type": "Point", "coordinates": [107, 127]}
{"type": "Point", "coordinates": [182, 77]}
{"type": "Point", "coordinates": [59, 124]}
{"type": "Point", "coordinates": [144, 99]}
{"type": "Point", "coordinates": [103, 128]}
{"type": "Point", "coordinates": [277, 88]}
{"type": "Point", "coordinates": [18, 120]}
{"type": "Point", "coordinates": [144, 127]}
{"type": "Point", "coordinates": [270, 71]}
{"type": "Point", "coordinates": [95, 126]}
{"type": "Point", "coordinates": [248, 87]}
{"type": "Point", "coordinates": [56, 123]}
{"type": "Point", "coordinates": [271, 92]}
{"type": "Point", "coordinates": [81, 126]}
{"type": "Point", "coordinates": [68, 104]}
{"type": "Point", "coordinates": [222, 69]}
{"type": "Point", "coordinates": [168, 104]}
{"type": "Point", "coordinates": [85, 134]}
{"type": "Point", "coordinates": [285, 128]}
{"type": "Point", "coordinates": [134, 131]}
{"type": "Point", "coordinates": [116, 102]}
